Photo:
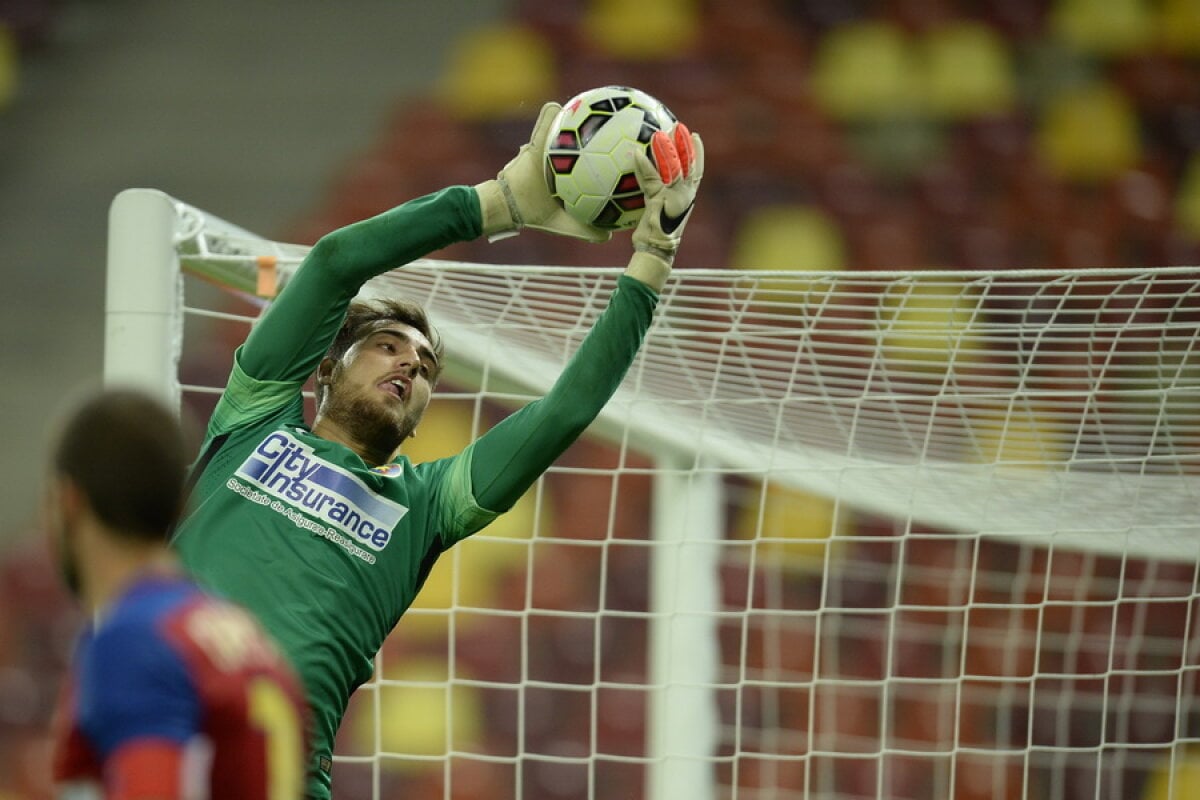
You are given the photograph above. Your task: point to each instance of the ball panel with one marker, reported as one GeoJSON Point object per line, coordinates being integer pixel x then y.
{"type": "Point", "coordinates": [590, 154]}
{"type": "Point", "coordinates": [564, 163]}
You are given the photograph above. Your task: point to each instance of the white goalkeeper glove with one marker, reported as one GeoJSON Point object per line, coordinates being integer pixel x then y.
{"type": "Point", "coordinates": [670, 185]}
{"type": "Point", "coordinates": [520, 198]}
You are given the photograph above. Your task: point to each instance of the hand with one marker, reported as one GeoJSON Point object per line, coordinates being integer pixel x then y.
{"type": "Point", "coordinates": [522, 183]}
{"type": "Point", "coordinates": [670, 186]}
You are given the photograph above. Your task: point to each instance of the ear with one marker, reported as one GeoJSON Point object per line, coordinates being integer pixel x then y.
{"type": "Point", "coordinates": [73, 502]}
{"type": "Point", "coordinates": [63, 502]}
{"type": "Point", "coordinates": [325, 371]}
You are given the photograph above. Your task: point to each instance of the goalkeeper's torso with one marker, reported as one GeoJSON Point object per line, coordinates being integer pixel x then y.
{"type": "Point", "coordinates": [325, 550]}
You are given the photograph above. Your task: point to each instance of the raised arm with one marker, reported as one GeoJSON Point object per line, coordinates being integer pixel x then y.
{"type": "Point", "coordinates": [509, 458]}
{"type": "Point", "coordinates": [290, 339]}
{"type": "Point", "coordinates": [288, 343]}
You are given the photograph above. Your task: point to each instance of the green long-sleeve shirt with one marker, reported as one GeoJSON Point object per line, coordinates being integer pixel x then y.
{"type": "Point", "coordinates": [326, 550]}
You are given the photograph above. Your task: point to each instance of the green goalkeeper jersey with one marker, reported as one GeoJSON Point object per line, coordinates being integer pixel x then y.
{"type": "Point", "coordinates": [328, 551]}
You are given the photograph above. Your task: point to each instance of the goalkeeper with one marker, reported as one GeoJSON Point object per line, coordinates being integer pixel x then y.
{"type": "Point", "coordinates": [327, 533]}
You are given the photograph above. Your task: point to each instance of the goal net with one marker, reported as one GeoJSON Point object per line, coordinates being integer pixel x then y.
{"type": "Point", "coordinates": [838, 535]}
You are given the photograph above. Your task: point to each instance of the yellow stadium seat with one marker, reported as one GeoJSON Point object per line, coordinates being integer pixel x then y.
{"type": "Point", "coordinates": [1090, 134]}
{"type": "Point", "coordinates": [867, 70]}
{"type": "Point", "coordinates": [1104, 27]}
{"type": "Point", "coordinates": [497, 73]}
{"type": "Point", "coordinates": [794, 528]}
{"type": "Point", "coordinates": [638, 30]}
{"type": "Point", "coordinates": [1179, 27]}
{"type": "Point", "coordinates": [968, 71]}
{"type": "Point", "coordinates": [1187, 200]}
{"type": "Point", "coordinates": [1178, 781]}
{"type": "Point", "coordinates": [417, 717]}
{"type": "Point", "coordinates": [788, 237]}
{"type": "Point", "coordinates": [929, 328]}
{"type": "Point", "coordinates": [1021, 437]}
{"type": "Point", "coordinates": [466, 576]}
{"type": "Point", "coordinates": [8, 66]}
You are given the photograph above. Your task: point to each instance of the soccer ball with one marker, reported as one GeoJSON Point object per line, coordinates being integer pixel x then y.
{"type": "Point", "coordinates": [590, 154]}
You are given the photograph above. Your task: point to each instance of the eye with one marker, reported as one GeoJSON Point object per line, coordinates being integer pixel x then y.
{"type": "Point", "coordinates": [387, 345]}
{"type": "Point", "coordinates": [425, 370]}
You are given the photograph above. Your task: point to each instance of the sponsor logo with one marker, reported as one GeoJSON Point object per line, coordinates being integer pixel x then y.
{"type": "Point", "coordinates": [284, 469]}
{"type": "Point", "coordinates": [388, 470]}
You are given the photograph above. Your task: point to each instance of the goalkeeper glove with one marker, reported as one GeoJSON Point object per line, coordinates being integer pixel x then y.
{"type": "Point", "coordinates": [670, 185]}
{"type": "Point", "coordinates": [519, 197]}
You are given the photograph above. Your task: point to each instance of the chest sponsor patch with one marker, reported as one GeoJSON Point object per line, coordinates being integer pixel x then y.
{"type": "Point", "coordinates": [288, 470]}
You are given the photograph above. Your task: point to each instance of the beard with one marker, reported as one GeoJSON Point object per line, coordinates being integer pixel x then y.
{"type": "Point", "coordinates": [371, 423]}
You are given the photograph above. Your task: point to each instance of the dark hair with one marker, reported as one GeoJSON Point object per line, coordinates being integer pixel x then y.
{"type": "Point", "coordinates": [125, 451]}
{"type": "Point", "coordinates": [361, 320]}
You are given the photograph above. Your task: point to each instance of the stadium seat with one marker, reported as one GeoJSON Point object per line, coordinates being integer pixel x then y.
{"type": "Point", "coordinates": [8, 65]}
{"type": "Point", "coordinates": [413, 717]}
{"type": "Point", "coordinates": [802, 528]}
{"type": "Point", "coordinates": [968, 71]}
{"type": "Point", "coordinates": [1016, 437]}
{"type": "Point", "coordinates": [468, 575]}
{"type": "Point", "coordinates": [1187, 199]}
{"type": "Point", "coordinates": [1177, 776]}
{"type": "Point", "coordinates": [788, 237]}
{"type": "Point", "coordinates": [641, 31]}
{"type": "Point", "coordinates": [1090, 134]}
{"type": "Point", "coordinates": [867, 70]}
{"type": "Point", "coordinates": [1103, 27]}
{"type": "Point", "coordinates": [498, 72]}
{"type": "Point", "coordinates": [1179, 27]}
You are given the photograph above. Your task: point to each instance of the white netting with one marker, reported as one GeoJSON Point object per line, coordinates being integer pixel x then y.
{"type": "Point", "coordinates": [956, 554]}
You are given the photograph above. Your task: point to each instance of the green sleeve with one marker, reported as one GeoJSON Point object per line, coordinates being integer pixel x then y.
{"type": "Point", "coordinates": [510, 457]}
{"type": "Point", "coordinates": [286, 345]}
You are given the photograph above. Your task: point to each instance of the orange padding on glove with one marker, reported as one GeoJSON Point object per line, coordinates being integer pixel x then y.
{"type": "Point", "coordinates": [674, 154]}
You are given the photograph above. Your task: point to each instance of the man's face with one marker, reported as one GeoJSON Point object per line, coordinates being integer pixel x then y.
{"type": "Point", "coordinates": [381, 387]}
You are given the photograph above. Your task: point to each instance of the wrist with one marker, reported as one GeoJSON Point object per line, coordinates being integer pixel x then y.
{"type": "Point", "coordinates": [497, 218]}
{"type": "Point", "coordinates": [651, 266]}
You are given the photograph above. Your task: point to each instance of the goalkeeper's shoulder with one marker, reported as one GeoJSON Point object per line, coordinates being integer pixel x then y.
{"type": "Point", "coordinates": [248, 400]}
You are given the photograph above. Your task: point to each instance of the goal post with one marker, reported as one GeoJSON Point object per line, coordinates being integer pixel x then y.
{"type": "Point", "coordinates": [908, 534]}
{"type": "Point", "coordinates": [143, 316]}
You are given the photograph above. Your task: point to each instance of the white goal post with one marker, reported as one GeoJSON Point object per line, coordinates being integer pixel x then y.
{"type": "Point", "coordinates": [921, 534]}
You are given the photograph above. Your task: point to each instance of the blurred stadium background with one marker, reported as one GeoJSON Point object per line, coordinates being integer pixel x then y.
{"type": "Point", "coordinates": [906, 134]}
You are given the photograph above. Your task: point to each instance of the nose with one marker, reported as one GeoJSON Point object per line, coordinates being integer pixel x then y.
{"type": "Point", "coordinates": [408, 361]}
